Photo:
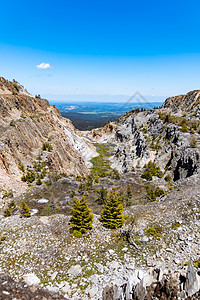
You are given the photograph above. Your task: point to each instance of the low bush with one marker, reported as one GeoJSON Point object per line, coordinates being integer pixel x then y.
{"type": "Point", "coordinates": [77, 233]}
{"type": "Point", "coordinates": [24, 210]}
{"type": "Point", "coordinates": [193, 142]}
{"type": "Point", "coordinates": [47, 147]}
{"type": "Point", "coordinates": [7, 212]}
{"type": "Point", "coordinates": [154, 192]}
{"type": "Point", "coordinates": [16, 86]}
{"type": "Point", "coordinates": [168, 178]}
{"type": "Point", "coordinates": [151, 170]}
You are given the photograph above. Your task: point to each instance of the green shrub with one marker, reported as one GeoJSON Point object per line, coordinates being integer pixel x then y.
{"type": "Point", "coordinates": [24, 210]}
{"type": "Point", "coordinates": [168, 178]}
{"type": "Point", "coordinates": [115, 174]}
{"type": "Point", "coordinates": [12, 123]}
{"type": "Point", "coordinates": [193, 142]}
{"type": "Point", "coordinates": [154, 231]}
{"type": "Point", "coordinates": [29, 177]}
{"type": "Point", "coordinates": [129, 192]}
{"type": "Point", "coordinates": [2, 238]}
{"type": "Point", "coordinates": [16, 86]}
{"type": "Point", "coordinates": [102, 195]}
{"type": "Point", "coordinates": [47, 147]}
{"type": "Point", "coordinates": [196, 263]}
{"type": "Point", "coordinates": [96, 180]}
{"type": "Point", "coordinates": [7, 194]}
{"type": "Point", "coordinates": [153, 193]}
{"type": "Point", "coordinates": [21, 167]}
{"type": "Point", "coordinates": [147, 175]}
{"type": "Point", "coordinates": [184, 128]}
{"type": "Point", "coordinates": [7, 212]}
{"type": "Point", "coordinates": [77, 233]}
{"type": "Point", "coordinates": [159, 192]}
{"type": "Point", "coordinates": [151, 170]}
{"type": "Point", "coordinates": [39, 181]}
{"type": "Point", "coordinates": [12, 204]}
{"type": "Point", "coordinates": [175, 225]}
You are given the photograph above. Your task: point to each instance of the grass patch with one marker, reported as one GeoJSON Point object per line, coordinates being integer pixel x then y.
{"type": "Point", "coordinates": [101, 164]}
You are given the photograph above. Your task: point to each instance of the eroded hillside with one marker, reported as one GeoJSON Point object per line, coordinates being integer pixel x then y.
{"type": "Point", "coordinates": [27, 124]}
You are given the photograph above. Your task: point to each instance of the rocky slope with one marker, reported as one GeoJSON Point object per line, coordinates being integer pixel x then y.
{"type": "Point", "coordinates": [26, 123]}
{"type": "Point", "coordinates": [160, 135]}
{"type": "Point", "coordinates": [89, 267]}
{"type": "Point", "coordinates": [155, 255]}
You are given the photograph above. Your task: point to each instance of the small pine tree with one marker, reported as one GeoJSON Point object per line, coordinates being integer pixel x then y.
{"type": "Point", "coordinates": [82, 215]}
{"type": "Point", "coordinates": [24, 210]}
{"type": "Point", "coordinates": [112, 216]}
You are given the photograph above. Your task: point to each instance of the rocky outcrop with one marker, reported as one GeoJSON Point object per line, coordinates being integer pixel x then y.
{"type": "Point", "coordinates": [12, 88]}
{"type": "Point", "coordinates": [172, 142]}
{"type": "Point", "coordinates": [189, 103]}
{"type": "Point", "coordinates": [104, 134]}
{"type": "Point", "coordinates": [26, 123]}
{"type": "Point", "coordinates": [156, 284]}
{"type": "Point", "coordinates": [185, 163]}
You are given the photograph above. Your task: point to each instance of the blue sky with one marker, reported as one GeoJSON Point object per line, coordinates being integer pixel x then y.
{"type": "Point", "coordinates": [101, 49]}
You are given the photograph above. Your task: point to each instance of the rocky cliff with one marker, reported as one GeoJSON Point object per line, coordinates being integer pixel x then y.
{"type": "Point", "coordinates": [26, 123]}
{"type": "Point", "coordinates": [162, 135]}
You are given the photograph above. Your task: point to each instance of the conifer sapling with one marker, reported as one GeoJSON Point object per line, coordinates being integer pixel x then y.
{"type": "Point", "coordinates": [82, 215]}
{"type": "Point", "coordinates": [112, 216]}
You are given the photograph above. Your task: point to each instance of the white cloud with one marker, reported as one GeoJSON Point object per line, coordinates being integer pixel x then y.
{"type": "Point", "coordinates": [43, 66]}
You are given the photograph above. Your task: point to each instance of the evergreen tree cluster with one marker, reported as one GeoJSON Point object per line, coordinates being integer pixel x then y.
{"type": "Point", "coordinates": [111, 216]}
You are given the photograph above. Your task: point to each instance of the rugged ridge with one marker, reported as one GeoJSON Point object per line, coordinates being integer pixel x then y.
{"type": "Point", "coordinates": [26, 123]}
{"type": "Point", "coordinates": [189, 103]}
{"type": "Point", "coordinates": [171, 140]}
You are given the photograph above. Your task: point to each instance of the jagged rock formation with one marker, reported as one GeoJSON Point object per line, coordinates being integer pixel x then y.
{"type": "Point", "coordinates": [156, 284]}
{"type": "Point", "coordinates": [159, 135]}
{"type": "Point", "coordinates": [25, 124]}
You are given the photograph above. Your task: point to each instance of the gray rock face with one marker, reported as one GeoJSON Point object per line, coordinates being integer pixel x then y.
{"type": "Point", "coordinates": [152, 139]}
{"type": "Point", "coordinates": [139, 291]}
{"type": "Point", "coordinates": [110, 293]}
{"type": "Point", "coordinates": [186, 163]}
{"type": "Point", "coordinates": [192, 285]}
{"type": "Point", "coordinates": [155, 284]}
